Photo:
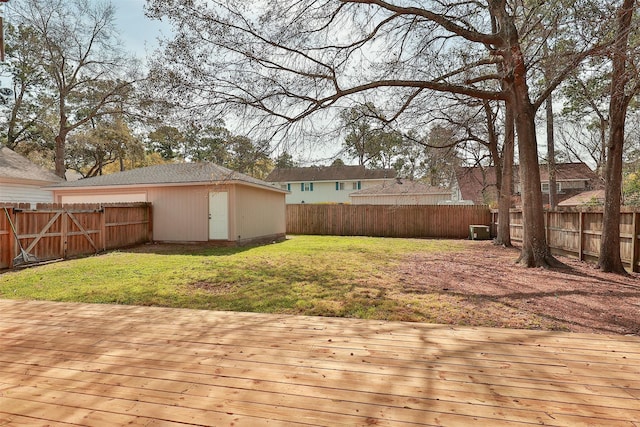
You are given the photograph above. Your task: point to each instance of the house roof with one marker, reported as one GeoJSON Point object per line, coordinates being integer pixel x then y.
{"type": "Point", "coordinates": [584, 198]}
{"type": "Point", "coordinates": [17, 167]}
{"type": "Point", "coordinates": [171, 173]}
{"type": "Point", "coordinates": [328, 173]}
{"type": "Point", "coordinates": [401, 187]}
{"type": "Point", "coordinates": [568, 172]}
{"type": "Point", "coordinates": [479, 183]}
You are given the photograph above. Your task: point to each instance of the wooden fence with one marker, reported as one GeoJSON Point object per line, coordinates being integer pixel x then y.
{"type": "Point", "coordinates": [577, 232]}
{"type": "Point", "coordinates": [55, 231]}
{"type": "Point", "coordinates": [386, 221]}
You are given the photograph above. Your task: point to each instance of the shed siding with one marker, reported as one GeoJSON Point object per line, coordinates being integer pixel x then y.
{"type": "Point", "coordinates": [10, 192]}
{"type": "Point", "coordinates": [105, 198]}
{"type": "Point", "coordinates": [180, 213]}
{"type": "Point", "coordinates": [259, 213]}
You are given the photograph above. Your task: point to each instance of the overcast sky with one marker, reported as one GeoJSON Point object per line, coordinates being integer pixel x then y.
{"type": "Point", "coordinates": [139, 33]}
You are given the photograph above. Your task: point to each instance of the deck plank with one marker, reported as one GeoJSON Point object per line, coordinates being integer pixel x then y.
{"type": "Point", "coordinates": [85, 364]}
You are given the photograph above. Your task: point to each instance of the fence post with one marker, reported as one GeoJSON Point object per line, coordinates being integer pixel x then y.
{"type": "Point", "coordinates": [64, 229]}
{"type": "Point", "coordinates": [13, 239]}
{"type": "Point", "coordinates": [546, 227]}
{"type": "Point", "coordinates": [150, 223]}
{"type": "Point", "coordinates": [581, 236]}
{"type": "Point", "coordinates": [634, 243]}
{"type": "Point", "coordinates": [103, 226]}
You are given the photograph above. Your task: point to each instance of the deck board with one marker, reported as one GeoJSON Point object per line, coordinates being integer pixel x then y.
{"type": "Point", "coordinates": [83, 364]}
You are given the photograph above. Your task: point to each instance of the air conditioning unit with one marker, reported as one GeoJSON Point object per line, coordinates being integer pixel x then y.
{"type": "Point", "coordinates": [479, 232]}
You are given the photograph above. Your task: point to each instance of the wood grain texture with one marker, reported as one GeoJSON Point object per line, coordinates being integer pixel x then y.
{"type": "Point", "coordinates": [104, 365]}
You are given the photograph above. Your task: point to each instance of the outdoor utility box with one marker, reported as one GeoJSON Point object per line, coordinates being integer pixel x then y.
{"type": "Point", "coordinates": [479, 232]}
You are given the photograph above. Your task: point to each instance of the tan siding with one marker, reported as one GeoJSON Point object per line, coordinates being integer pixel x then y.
{"type": "Point", "coordinates": [258, 213]}
{"type": "Point", "coordinates": [180, 213]}
{"type": "Point", "coordinates": [104, 198]}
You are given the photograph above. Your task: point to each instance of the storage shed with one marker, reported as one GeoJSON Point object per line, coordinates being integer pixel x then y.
{"type": "Point", "coordinates": [22, 181]}
{"type": "Point", "coordinates": [192, 202]}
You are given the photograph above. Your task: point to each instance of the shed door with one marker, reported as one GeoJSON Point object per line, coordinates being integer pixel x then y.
{"type": "Point", "coordinates": [218, 216]}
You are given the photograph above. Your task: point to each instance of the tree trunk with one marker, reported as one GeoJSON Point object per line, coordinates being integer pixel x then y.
{"type": "Point", "coordinates": [551, 155]}
{"type": "Point", "coordinates": [535, 251]}
{"type": "Point", "coordinates": [609, 259]}
{"type": "Point", "coordinates": [506, 184]}
{"type": "Point", "coordinates": [60, 140]}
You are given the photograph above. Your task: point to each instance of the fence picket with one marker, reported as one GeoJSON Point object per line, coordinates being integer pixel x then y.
{"type": "Point", "coordinates": [435, 221]}
{"type": "Point", "coordinates": [52, 231]}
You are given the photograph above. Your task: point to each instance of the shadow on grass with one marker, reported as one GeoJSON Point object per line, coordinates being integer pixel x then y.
{"type": "Point", "coordinates": [194, 249]}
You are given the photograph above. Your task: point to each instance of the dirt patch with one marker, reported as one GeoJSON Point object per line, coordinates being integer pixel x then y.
{"type": "Point", "coordinates": [577, 298]}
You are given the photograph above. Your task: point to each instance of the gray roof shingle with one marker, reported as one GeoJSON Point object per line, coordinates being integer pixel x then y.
{"type": "Point", "coordinates": [171, 173]}
{"type": "Point", "coordinates": [15, 166]}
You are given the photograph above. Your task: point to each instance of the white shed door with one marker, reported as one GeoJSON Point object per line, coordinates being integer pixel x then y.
{"type": "Point", "coordinates": [218, 216]}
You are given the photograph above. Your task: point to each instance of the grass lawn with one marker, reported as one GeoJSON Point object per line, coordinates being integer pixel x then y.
{"type": "Point", "coordinates": [313, 275]}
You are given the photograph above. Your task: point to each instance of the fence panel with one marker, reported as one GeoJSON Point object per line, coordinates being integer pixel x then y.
{"type": "Point", "coordinates": [127, 225]}
{"type": "Point", "coordinates": [54, 231]}
{"type": "Point", "coordinates": [385, 221]}
{"type": "Point", "coordinates": [578, 233]}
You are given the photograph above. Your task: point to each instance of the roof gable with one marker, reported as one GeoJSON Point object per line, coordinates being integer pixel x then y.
{"type": "Point", "coordinates": [171, 173]}
{"type": "Point", "coordinates": [17, 167]}
{"type": "Point", "coordinates": [328, 173]}
{"type": "Point", "coordinates": [477, 183]}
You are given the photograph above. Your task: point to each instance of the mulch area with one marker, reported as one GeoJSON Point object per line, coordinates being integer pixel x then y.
{"type": "Point", "coordinates": [578, 297]}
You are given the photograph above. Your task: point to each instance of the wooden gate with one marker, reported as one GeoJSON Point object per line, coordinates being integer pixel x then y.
{"type": "Point", "coordinates": [54, 231]}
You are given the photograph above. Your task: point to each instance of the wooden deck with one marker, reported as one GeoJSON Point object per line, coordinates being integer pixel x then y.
{"type": "Point", "coordinates": [106, 365]}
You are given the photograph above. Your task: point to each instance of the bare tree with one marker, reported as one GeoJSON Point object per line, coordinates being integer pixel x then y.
{"type": "Point", "coordinates": [624, 85]}
{"type": "Point", "coordinates": [87, 75]}
{"type": "Point", "coordinates": [280, 62]}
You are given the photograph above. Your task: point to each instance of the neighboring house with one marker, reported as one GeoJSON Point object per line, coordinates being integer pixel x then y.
{"type": "Point", "coordinates": [479, 184]}
{"type": "Point", "coordinates": [23, 181]}
{"type": "Point", "coordinates": [586, 198]}
{"type": "Point", "coordinates": [327, 184]}
{"type": "Point", "coordinates": [476, 185]}
{"type": "Point", "coordinates": [401, 192]}
{"type": "Point", "coordinates": [192, 202]}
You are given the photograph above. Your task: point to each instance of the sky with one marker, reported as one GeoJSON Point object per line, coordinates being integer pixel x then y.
{"type": "Point", "coordinates": [139, 33]}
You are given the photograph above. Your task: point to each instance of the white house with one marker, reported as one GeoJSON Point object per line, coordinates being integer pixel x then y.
{"type": "Point", "coordinates": [327, 184]}
{"type": "Point", "coordinates": [22, 181]}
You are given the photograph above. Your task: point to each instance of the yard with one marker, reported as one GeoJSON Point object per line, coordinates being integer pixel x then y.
{"type": "Point", "coordinates": [438, 281]}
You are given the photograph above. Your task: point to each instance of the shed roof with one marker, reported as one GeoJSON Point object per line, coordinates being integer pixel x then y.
{"type": "Point", "coordinates": [328, 173]}
{"type": "Point", "coordinates": [171, 173]}
{"type": "Point", "coordinates": [401, 187]}
{"type": "Point", "coordinates": [18, 167]}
